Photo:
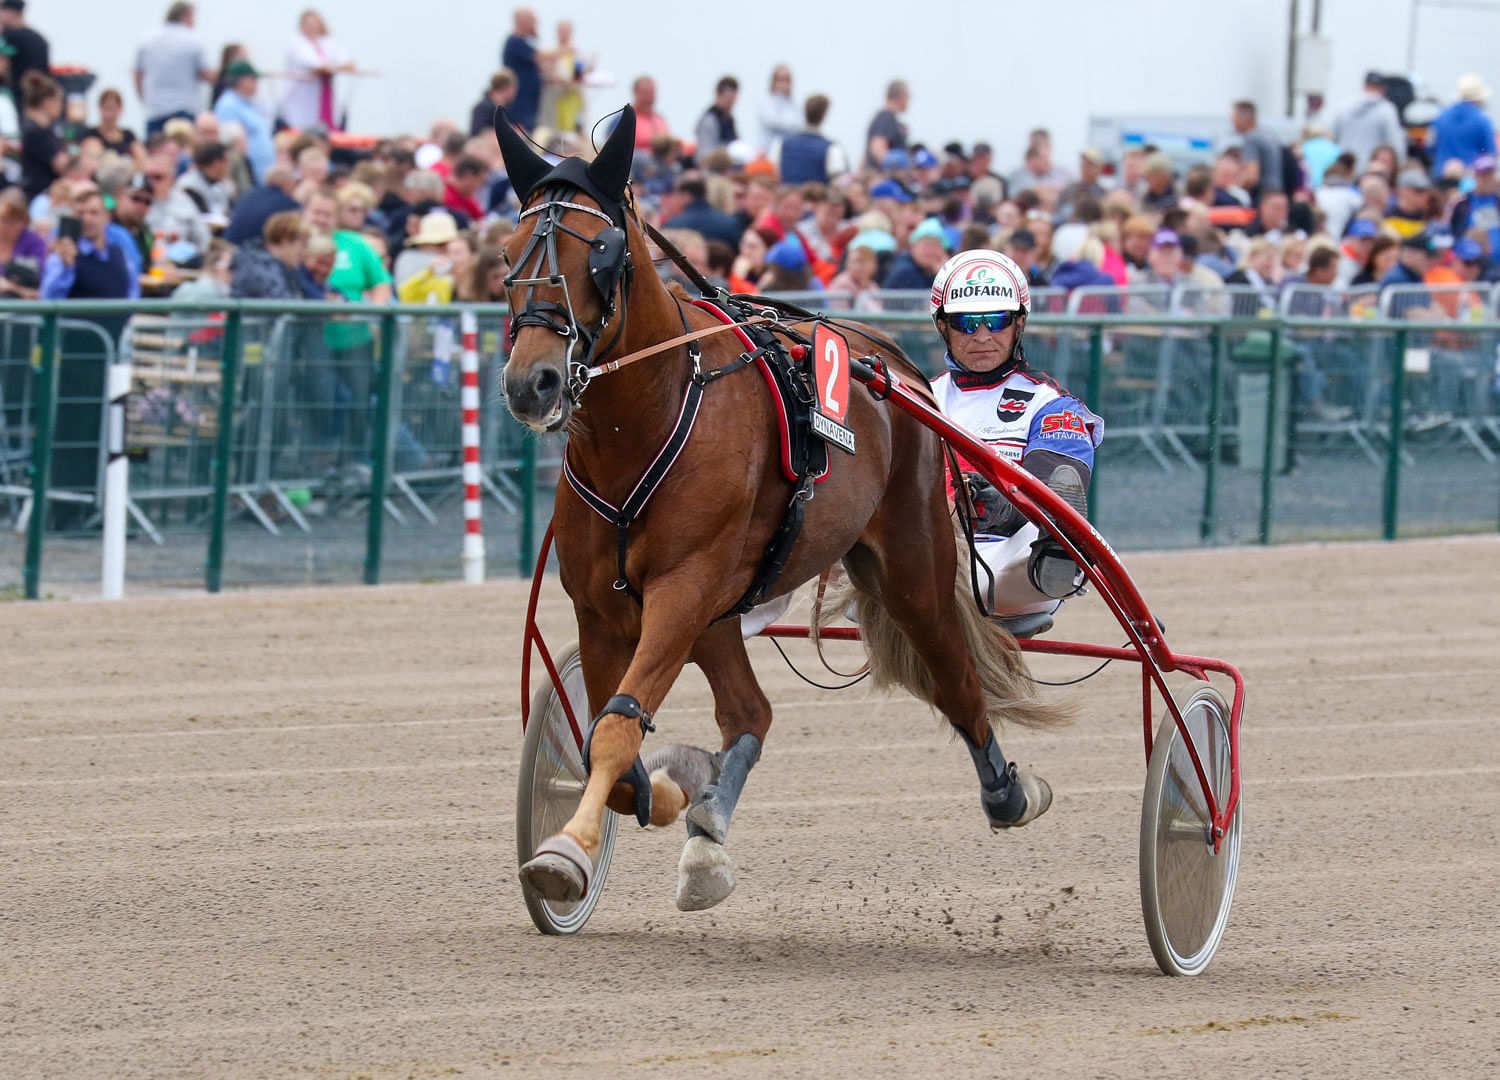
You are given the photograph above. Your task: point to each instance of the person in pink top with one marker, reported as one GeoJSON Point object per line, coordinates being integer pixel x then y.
{"type": "Point", "coordinates": [648, 122]}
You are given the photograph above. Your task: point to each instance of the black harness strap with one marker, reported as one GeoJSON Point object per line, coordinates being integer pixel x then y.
{"type": "Point", "coordinates": [624, 515]}
{"type": "Point", "coordinates": [778, 551]}
{"type": "Point", "coordinates": [690, 271]}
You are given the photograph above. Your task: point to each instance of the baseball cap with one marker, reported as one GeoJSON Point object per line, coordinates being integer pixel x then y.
{"type": "Point", "coordinates": [240, 69]}
{"type": "Point", "coordinates": [6, 48]}
{"type": "Point", "coordinates": [1467, 250]}
{"type": "Point", "coordinates": [895, 159]}
{"type": "Point", "coordinates": [931, 227]}
{"type": "Point", "coordinates": [922, 158]}
{"type": "Point", "coordinates": [1484, 163]}
{"type": "Point", "coordinates": [1024, 239]}
{"type": "Point", "coordinates": [13, 5]}
{"type": "Point", "coordinates": [877, 240]}
{"type": "Point", "coordinates": [1361, 229]}
{"type": "Point", "coordinates": [1165, 238]}
{"type": "Point", "coordinates": [1414, 178]}
{"type": "Point", "coordinates": [788, 254]}
{"type": "Point", "coordinates": [1092, 153]}
{"type": "Point", "coordinates": [890, 189]}
{"type": "Point", "coordinates": [945, 186]}
{"type": "Point", "coordinates": [1419, 242]}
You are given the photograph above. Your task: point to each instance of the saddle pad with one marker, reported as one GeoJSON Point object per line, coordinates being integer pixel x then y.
{"type": "Point", "coordinates": [800, 448]}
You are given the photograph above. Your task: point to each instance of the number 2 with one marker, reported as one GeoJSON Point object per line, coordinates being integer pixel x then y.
{"type": "Point", "coordinates": [831, 405]}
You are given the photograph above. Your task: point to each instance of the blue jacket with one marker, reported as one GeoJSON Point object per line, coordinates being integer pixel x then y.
{"type": "Point", "coordinates": [1462, 131]}
{"type": "Point", "coordinates": [906, 274]}
{"type": "Point", "coordinates": [258, 145]}
{"type": "Point", "coordinates": [253, 211]}
{"type": "Point", "coordinates": [804, 158]}
{"type": "Point", "coordinates": [102, 276]}
{"type": "Point", "coordinates": [709, 221]}
{"type": "Point", "coordinates": [1405, 301]}
{"type": "Point", "coordinates": [1078, 272]}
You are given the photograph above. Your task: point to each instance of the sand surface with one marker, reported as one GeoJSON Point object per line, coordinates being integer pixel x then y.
{"type": "Point", "coordinates": [271, 834]}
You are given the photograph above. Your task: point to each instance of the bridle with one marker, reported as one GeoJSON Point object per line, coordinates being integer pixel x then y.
{"type": "Point", "coordinates": [610, 270]}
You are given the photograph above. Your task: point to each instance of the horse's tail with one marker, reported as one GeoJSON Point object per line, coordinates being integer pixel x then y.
{"type": "Point", "coordinates": [1008, 687]}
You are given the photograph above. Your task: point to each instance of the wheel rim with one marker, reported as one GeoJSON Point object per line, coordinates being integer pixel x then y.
{"type": "Point", "coordinates": [1193, 884]}
{"type": "Point", "coordinates": [557, 782]}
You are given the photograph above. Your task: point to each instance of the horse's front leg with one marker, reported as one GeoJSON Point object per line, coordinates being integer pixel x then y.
{"type": "Point", "coordinates": [670, 621]}
{"type": "Point", "coordinates": [705, 876]}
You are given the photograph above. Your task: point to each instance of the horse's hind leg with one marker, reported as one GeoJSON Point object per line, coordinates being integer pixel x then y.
{"type": "Point", "coordinates": [705, 876]}
{"type": "Point", "coordinates": [927, 629]}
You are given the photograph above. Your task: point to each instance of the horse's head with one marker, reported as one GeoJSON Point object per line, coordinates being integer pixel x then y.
{"type": "Point", "coordinates": [570, 271]}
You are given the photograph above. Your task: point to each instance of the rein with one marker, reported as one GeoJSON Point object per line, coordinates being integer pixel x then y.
{"type": "Point", "coordinates": [672, 343]}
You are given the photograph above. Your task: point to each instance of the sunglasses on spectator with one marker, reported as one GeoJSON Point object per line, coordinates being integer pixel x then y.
{"type": "Point", "coordinates": [969, 322]}
{"type": "Point", "coordinates": [141, 197]}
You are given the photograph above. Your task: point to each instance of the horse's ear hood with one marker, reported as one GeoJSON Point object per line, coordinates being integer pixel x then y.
{"type": "Point", "coordinates": [523, 165]}
{"type": "Point", "coordinates": [610, 171]}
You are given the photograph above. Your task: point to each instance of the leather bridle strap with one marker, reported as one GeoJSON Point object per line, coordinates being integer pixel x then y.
{"type": "Point", "coordinates": [671, 251]}
{"type": "Point", "coordinates": [672, 343]}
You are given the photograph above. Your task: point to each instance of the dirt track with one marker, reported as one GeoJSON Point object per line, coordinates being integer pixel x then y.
{"type": "Point", "coordinates": [272, 835]}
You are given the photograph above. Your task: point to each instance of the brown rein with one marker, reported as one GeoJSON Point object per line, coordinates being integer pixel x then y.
{"type": "Point", "coordinates": [672, 343]}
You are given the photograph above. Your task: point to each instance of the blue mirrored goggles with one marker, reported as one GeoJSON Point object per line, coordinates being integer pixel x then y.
{"type": "Point", "coordinates": [969, 322]}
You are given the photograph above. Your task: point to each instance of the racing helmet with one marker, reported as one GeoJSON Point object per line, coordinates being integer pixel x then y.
{"type": "Point", "coordinates": [980, 280]}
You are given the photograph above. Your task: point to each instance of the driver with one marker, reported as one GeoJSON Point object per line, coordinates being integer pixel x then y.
{"type": "Point", "coordinates": [980, 301]}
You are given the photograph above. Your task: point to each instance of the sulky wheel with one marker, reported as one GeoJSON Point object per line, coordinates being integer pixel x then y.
{"type": "Point", "coordinates": [550, 788]}
{"type": "Point", "coordinates": [1186, 888]}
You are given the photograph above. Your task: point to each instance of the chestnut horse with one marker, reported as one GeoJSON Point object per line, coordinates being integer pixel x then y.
{"type": "Point", "coordinates": [583, 292]}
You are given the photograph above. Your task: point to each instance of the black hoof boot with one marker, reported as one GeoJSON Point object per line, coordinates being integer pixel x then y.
{"type": "Point", "coordinates": [636, 777]}
{"type": "Point", "coordinates": [1010, 798]}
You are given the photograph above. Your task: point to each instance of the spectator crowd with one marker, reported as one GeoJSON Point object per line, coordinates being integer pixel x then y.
{"type": "Point", "coordinates": [224, 195]}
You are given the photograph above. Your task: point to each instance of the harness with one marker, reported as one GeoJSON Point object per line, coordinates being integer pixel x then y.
{"type": "Point", "coordinates": [804, 457]}
{"type": "Point", "coordinates": [804, 462]}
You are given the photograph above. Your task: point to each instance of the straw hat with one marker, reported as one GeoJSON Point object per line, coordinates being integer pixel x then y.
{"type": "Point", "coordinates": [437, 227]}
{"type": "Point", "coordinates": [1471, 88]}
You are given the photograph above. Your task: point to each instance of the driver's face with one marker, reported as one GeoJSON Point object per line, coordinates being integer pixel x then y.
{"type": "Point", "coordinates": [983, 350]}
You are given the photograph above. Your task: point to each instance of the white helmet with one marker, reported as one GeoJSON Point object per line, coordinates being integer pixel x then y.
{"type": "Point", "coordinates": [980, 280]}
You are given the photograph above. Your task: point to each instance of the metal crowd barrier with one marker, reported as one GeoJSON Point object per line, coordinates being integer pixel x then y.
{"type": "Point", "coordinates": [309, 417]}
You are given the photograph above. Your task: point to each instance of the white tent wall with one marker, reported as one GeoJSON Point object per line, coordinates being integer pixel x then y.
{"type": "Point", "coordinates": [989, 70]}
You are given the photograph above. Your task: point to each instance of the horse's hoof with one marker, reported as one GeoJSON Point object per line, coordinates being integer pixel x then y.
{"type": "Point", "coordinates": [705, 815]}
{"type": "Point", "coordinates": [1038, 799]}
{"type": "Point", "coordinates": [559, 871]}
{"type": "Point", "coordinates": [705, 875]}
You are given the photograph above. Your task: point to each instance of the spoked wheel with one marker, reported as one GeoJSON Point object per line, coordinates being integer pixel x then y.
{"type": "Point", "coordinates": [550, 789]}
{"type": "Point", "coordinates": [1187, 887]}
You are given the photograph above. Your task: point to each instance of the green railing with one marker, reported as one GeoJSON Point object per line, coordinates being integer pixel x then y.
{"type": "Point", "coordinates": [1217, 431]}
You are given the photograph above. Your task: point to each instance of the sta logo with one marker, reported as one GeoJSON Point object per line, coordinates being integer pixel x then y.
{"type": "Point", "coordinates": [1063, 421]}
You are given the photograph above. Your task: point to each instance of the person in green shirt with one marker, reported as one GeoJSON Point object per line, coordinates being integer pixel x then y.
{"type": "Point", "coordinates": [358, 276]}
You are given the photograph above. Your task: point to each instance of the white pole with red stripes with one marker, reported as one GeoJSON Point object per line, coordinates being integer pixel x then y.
{"type": "Point", "coordinates": [469, 398]}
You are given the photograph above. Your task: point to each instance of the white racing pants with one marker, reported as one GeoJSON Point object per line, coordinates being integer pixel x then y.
{"type": "Point", "coordinates": [1003, 582]}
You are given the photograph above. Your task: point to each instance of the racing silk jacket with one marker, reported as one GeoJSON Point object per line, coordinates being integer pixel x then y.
{"type": "Point", "coordinates": [1019, 413]}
